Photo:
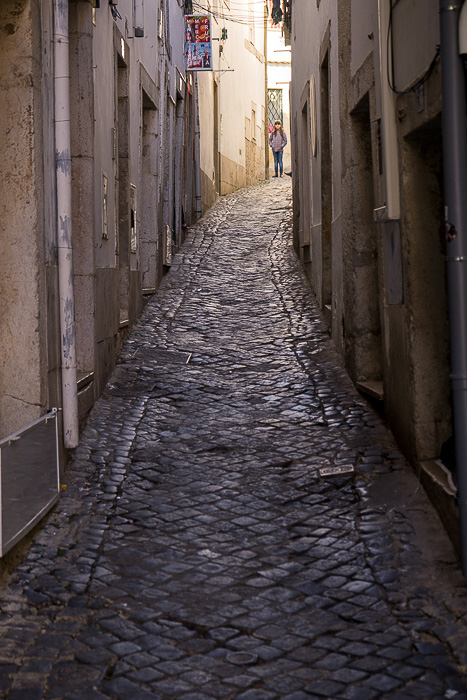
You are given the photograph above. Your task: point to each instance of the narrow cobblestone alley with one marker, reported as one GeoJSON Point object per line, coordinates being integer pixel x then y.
{"type": "Point", "coordinates": [197, 550]}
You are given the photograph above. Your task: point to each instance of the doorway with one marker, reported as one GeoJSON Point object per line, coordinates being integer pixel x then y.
{"type": "Point", "coordinates": [326, 190]}
{"type": "Point", "coordinates": [305, 193]}
{"type": "Point", "coordinates": [149, 228]}
{"type": "Point", "coordinates": [363, 347]}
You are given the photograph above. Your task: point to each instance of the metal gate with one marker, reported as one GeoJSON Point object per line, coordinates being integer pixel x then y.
{"type": "Point", "coordinates": [275, 105]}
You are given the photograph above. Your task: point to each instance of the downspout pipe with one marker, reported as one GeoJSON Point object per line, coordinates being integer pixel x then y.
{"type": "Point", "coordinates": [197, 153]}
{"type": "Point", "coordinates": [455, 188]}
{"type": "Point", "coordinates": [64, 237]}
{"type": "Point", "coordinates": [266, 101]}
{"type": "Point", "coordinates": [178, 156]}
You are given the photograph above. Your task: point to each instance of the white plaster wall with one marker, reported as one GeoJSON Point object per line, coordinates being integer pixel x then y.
{"type": "Point", "coordinates": [279, 64]}
{"type": "Point", "coordinates": [206, 118]}
{"type": "Point", "coordinates": [239, 70]}
{"type": "Point", "coordinates": [245, 85]}
{"type": "Point", "coordinates": [308, 31]}
{"type": "Point", "coordinates": [177, 37]}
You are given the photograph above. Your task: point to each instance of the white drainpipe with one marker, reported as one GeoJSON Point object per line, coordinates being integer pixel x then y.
{"type": "Point", "coordinates": [391, 210]}
{"type": "Point", "coordinates": [64, 239]}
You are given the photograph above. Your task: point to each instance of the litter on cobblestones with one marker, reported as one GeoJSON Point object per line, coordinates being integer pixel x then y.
{"type": "Point", "coordinates": [337, 470]}
{"type": "Point", "coordinates": [169, 356]}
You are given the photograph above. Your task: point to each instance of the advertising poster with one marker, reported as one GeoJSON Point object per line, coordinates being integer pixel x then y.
{"type": "Point", "coordinates": [198, 44]}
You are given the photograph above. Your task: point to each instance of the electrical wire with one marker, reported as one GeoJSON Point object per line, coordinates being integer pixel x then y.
{"type": "Point", "coordinates": [241, 6]}
{"type": "Point", "coordinates": [240, 9]}
{"type": "Point", "coordinates": [237, 17]}
{"type": "Point", "coordinates": [232, 16]}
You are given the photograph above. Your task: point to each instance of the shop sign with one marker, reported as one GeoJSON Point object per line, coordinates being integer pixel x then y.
{"type": "Point", "coordinates": [198, 42]}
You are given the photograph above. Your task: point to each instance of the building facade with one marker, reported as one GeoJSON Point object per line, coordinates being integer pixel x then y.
{"type": "Point", "coordinates": [103, 167]}
{"type": "Point", "coordinates": [98, 182]}
{"type": "Point", "coordinates": [368, 195]}
{"type": "Point", "coordinates": [232, 100]}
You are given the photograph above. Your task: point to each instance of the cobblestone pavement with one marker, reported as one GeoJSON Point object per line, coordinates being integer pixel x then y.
{"type": "Point", "coordinates": [198, 552]}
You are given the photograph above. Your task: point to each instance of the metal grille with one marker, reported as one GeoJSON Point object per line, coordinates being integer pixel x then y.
{"type": "Point", "coordinates": [29, 478]}
{"type": "Point", "coordinates": [275, 105]}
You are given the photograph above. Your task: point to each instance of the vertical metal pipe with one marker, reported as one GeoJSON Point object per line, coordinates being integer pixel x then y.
{"type": "Point", "coordinates": [455, 188]}
{"type": "Point", "coordinates": [219, 131]}
{"type": "Point", "coordinates": [266, 120]}
{"type": "Point", "coordinates": [178, 157]}
{"type": "Point", "coordinates": [197, 152]}
{"type": "Point", "coordinates": [64, 238]}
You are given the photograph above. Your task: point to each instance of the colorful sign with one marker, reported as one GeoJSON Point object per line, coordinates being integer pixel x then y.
{"type": "Point", "coordinates": [198, 43]}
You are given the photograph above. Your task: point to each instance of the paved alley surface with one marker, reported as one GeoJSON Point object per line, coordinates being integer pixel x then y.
{"type": "Point", "coordinates": [198, 551]}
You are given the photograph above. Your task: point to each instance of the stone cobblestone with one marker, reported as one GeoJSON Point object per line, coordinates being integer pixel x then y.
{"type": "Point", "coordinates": [197, 552]}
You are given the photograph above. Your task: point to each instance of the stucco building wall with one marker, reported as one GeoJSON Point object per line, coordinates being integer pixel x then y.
{"type": "Point", "coordinates": [132, 146]}
{"type": "Point", "coordinates": [233, 103]}
{"type": "Point", "coordinates": [368, 222]}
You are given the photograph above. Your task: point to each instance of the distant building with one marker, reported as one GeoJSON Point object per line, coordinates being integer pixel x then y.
{"type": "Point", "coordinates": [279, 77]}
{"type": "Point", "coordinates": [232, 99]}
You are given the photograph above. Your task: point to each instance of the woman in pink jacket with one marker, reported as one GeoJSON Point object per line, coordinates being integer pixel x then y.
{"type": "Point", "coordinates": [278, 141]}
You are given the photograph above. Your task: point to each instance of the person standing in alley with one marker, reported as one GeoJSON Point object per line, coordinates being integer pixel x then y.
{"type": "Point", "coordinates": [278, 141]}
